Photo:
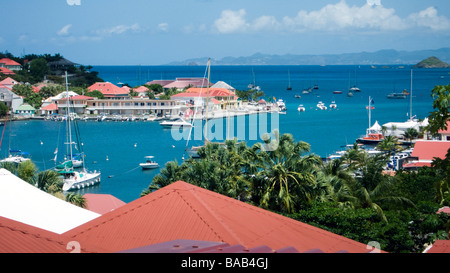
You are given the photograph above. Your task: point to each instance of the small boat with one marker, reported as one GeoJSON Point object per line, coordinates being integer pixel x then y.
{"type": "Point", "coordinates": [16, 156]}
{"type": "Point", "coordinates": [179, 122]}
{"type": "Point", "coordinates": [355, 89]}
{"type": "Point", "coordinates": [349, 93]}
{"type": "Point", "coordinates": [281, 105]}
{"type": "Point", "coordinates": [301, 108]}
{"type": "Point", "coordinates": [298, 96]}
{"type": "Point", "coordinates": [333, 105]}
{"type": "Point", "coordinates": [337, 92]}
{"type": "Point", "coordinates": [321, 106]}
{"type": "Point", "coordinates": [397, 96]}
{"type": "Point", "coordinates": [149, 163]}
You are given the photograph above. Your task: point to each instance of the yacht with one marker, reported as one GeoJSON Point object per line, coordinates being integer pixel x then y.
{"type": "Point", "coordinates": [333, 105]}
{"type": "Point", "coordinates": [321, 106]}
{"type": "Point", "coordinates": [301, 108]}
{"type": "Point", "coordinates": [149, 163]}
{"type": "Point", "coordinates": [179, 122]}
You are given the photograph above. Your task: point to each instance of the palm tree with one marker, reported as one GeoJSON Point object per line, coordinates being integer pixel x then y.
{"type": "Point", "coordinates": [388, 144]}
{"type": "Point", "coordinates": [373, 189]}
{"type": "Point", "coordinates": [49, 181]}
{"type": "Point", "coordinates": [287, 176]}
{"type": "Point", "coordinates": [411, 134]}
{"type": "Point", "coordinates": [76, 199]}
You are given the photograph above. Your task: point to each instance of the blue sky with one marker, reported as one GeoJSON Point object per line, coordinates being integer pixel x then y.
{"type": "Point", "coordinates": [143, 32]}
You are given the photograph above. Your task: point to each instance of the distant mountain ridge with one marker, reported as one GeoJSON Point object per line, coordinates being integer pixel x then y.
{"type": "Point", "coordinates": [381, 57]}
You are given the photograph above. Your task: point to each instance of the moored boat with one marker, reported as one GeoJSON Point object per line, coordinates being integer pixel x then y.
{"type": "Point", "coordinates": [149, 163]}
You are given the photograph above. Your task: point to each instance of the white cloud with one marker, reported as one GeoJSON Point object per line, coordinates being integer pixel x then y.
{"type": "Point", "coordinates": [370, 17]}
{"type": "Point", "coordinates": [163, 27]}
{"type": "Point", "coordinates": [429, 18]}
{"type": "Point", "coordinates": [231, 21]}
{"type": "Point", "coordinates": [64, 30]}
{"type": "Point", "coordinates": [119, 29]}
{"type": "Point", "coordinates": [339, 16]}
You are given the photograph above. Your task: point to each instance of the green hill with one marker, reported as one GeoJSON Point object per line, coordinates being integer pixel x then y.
{"type": "Point", "coordinates": [432, 62]}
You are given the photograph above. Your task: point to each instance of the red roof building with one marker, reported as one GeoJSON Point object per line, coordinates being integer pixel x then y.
{"type": "Point", "coordinates": [10, 64]}
{"type": "Point", "coordinates": [181, 211]}
{"type": "Point", "coordinates": [425, 151]}
{"type": "Point", "coordinates": [439, 246]}
{"type": "Point", "coordinates": [102, 203]}
{"type": "Point", "coordinates": [445, 134]}
{"type": "Point", "coordinates": [6, 71]}
{"type": "Point", "coordinates": [109, 90]}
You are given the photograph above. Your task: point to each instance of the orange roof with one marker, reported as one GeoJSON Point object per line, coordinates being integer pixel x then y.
{"type": "Point", "coordinates": [78, 97]}
{"type": "Point", "coordinates": [6, 71]}
{"type": "Point", "coordinates": [16, 237]}
{"type": "Point", "coordinates": [108, 89]}
{"type": "Point", "coordinates": [7, 61]}
{"type": "Point", "coordinates": [440, 246]}
{"type": "Point", "coordinates": [141, 89]}
{"type": "Point", "coordinates": [184, 211]}
{"type": "Point", "coordinates": [447, 131]}
{"type": "Point", "coordinates": [50, 107]}
{"type": "Point", "coordinates": [9, 81]}
{"type": "Point", "coordinates": [427, 150]}
{"type": "Point", "coordinates": [102, 203]}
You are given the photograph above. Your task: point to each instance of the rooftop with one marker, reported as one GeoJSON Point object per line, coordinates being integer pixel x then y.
{"type": "Point", "coordinates": [184, 211]}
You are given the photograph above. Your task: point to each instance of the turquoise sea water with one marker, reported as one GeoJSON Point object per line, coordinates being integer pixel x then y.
{"type": "Point", "coordinates": [117, 148]}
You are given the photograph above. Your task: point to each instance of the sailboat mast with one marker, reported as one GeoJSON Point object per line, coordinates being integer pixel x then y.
{"type": "Point", "coordinates": [410, 96]}
{"type": "Point", "coordinates": [370, 112]}
{"type": "Point", "coordinates": [207, 99]}
{"type": "Point", "coordinates": [68, 119]}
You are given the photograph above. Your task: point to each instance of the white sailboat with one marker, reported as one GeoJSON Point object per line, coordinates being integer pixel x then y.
{"type": "Point", "coordinates": [14, 156]}
{"type": "Point", "coordinates": [192, 152]}
{"type": "Point", "coordinates": [75, 179]}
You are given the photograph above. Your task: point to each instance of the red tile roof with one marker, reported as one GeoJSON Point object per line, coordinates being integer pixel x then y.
{"type": "Point", "coordinates": [440, 246]}
{"type": "Point", "coordinates": [102, 203]}
{"type": "Point", "coordinates": [108, 89]}
{"type": "Point", "coordinates": [9, 81]}
{"type": "Point", "coordinates": [7, 61]}
{"type": "Point", "coordinates": [16, 237]}
{"type": "Point", "coordinates": [50, 107]}
{"type": "Point", "coordinates": [427, 150]}
{"type": "Point", "coordinates": [6, 71]}
{"type": "Point", "coordinates": [78, 97]}
{"type": "Point", "coordinates": [447, 131]}
{"type": "Point", "coordinates": [183, 211]}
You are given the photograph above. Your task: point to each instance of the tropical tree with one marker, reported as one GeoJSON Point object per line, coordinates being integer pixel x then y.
{"type": "Point", "coordinates": [76, 199]}
{"type": "Point", "coordinates": [388, 144]}
{"type": "Point", "coordinates": [49, 181]}
{"type": "Point", "coordinates": [439, 117]}
{"type": "Point", "coordinates": [26, 171]}
{"type": "Point", "coordinates": [410, 134]}
{"type": "Point", "coordinates": [373, 190]}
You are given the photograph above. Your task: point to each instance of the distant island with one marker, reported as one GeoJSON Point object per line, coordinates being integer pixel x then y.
{"type": "Point", "coordinates": [382, 57]}
{"type": "Point", "coordinates": [432, 62]}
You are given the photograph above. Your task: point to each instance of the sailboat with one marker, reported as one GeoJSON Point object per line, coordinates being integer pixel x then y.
{"type": "Point", "coordinates": [74, 179]}
{"type": "Point", "coordinates": [373, 133]}
{"type": "Point", "coordinates": [289, 85]}
{"type": "Point", "coordinates": [193, 151]}
{"type": "Point", "coordinates": [14, 156]}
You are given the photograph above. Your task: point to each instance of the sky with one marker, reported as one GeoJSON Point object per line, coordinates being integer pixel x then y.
{"type": "Point", "coordinates": [148, 32]}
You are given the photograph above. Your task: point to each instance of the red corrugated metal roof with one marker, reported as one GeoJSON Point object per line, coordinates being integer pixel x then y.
{"type": "Point", "coordinates": [440, 246]}
{"type": "Point", "coordinates": [16, 237]}
{"type": "Point", "coordinates": [102, 203]}
{"type": "Point", "coordinates": [427, 150]}
{"type": "Point", "coordinates": [183, 211]}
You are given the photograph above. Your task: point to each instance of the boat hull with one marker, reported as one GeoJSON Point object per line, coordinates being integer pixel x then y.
{"type": "Point", "coordinates": [149, 166]}
{"type": "Point", "coordinates": [81, 180]}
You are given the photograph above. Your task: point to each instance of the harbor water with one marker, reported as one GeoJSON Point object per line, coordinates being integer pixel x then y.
{"type": "Point", "coordinates": [117, 148]}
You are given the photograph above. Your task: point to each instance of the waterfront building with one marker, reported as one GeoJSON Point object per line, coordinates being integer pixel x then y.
{"type": "Point", "coordinates": [181, 84]}
{"type": "Point", "coordinates": [197, 97]}
{"type": "Point", "coordinates": [25, 110]}
{"type": "Point", "coordinates": [78, 103]}
{"type": "Point", "coordinates": [110, 90]}
{"type": "Point", "coordinates": [134, 106]}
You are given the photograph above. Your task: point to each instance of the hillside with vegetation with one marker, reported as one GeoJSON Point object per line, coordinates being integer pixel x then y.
{"type": "Point", "coordinates": [37, 68]}
{"type": "Point", "coordinates": [432, 62]}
